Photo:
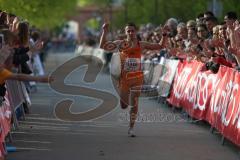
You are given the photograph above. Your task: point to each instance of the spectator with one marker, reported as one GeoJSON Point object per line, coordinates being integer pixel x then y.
{"type": "Point", "coordinates": [210, 23]}
{"type": "Point", "coordinates": [171, 24]}
{"type": "Point", "coordinates": [191, 24]}
{"type": "Point", "coordinates": [202, 32]}
{"type": "Point", "coordinates": [3, 20]}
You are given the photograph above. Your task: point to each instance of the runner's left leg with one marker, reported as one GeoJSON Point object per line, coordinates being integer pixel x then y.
{"type": "Point", "coordinates": [134, 109]}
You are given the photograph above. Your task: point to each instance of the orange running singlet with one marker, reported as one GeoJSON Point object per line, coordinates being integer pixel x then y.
{"type": "Point", "coordinates": [131, 63]}
{"type": "Point", "coordinates": [131, 73]}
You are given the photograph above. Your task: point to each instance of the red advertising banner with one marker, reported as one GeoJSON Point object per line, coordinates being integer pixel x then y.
{"type": "Point", "coordinates": [5, 118]}
{"type": "Point", "coordinates": [226, 94]}
{"type": "Point", "coordinates": [220, 97]}
{"type": "Point", "coordinates": [231, 119]}
{"type": "Point", "coordinates": [180, 80]}
{"type": "Point", "coordinates": [199, 94]}
{"type": "Point", "coordinates": [211, 97]}
{"type": "Point", "coordinates": [190, 90]}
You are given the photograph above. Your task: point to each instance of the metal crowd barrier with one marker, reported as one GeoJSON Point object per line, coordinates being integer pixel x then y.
{"type": "Point", "coordinates": [14, 99]}
{"type": "Point", "coordinates": [91, 51]}
{"type": "Point", "coordinates": [18, 97]}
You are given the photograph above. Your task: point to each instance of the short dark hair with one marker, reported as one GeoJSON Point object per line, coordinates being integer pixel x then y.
{"type": "Point", "coordinates": [131, 24]}
{"type": "Point", "coordinates": [231, 15]}
{"type": "Point", "coordinates": [12, 15]}
{"type": "Point", "coordinates": [213, 19]}
{"type": "Point", "coordinates": [210, 13]}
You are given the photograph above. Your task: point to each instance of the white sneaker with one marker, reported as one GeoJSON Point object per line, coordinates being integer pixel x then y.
{"type": "Point", "coordinates": [131, 132]}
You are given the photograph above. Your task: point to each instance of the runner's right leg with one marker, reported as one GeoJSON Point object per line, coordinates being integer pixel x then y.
{"type": "Point", "coordinates": [124, 98]}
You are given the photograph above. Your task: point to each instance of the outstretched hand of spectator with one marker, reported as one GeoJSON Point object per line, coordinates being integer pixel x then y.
{"type": "Point", "coordinates": [45, 79]}
{"type": "Point", "coordinates": [105, 26]}
{"type": "Point", "coordinates": [219, 42]}
{"type": "Point", "coordinates": [236, 25]}
{"type": "Point", "coordinates": [37, 46]}
{"type": "Point", "coordinates": [165, 30]}
{"type": "Point", "coordinates": [234, 51]}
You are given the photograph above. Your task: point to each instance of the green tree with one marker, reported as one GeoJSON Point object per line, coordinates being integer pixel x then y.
{"type": "Point", "coordinates": [231, 5]}
{"type": "Point", "coordinates": [158, 11]}
{"type": "Point", "coordinates": [100, 3]}
{"type": "Point", "coordinates": [41, 13]}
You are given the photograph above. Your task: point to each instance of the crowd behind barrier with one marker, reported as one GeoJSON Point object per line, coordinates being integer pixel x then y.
{"type": "Point", "coordinates": [204, 95]}
{"type": "Point", "coordinates": [21, 58]}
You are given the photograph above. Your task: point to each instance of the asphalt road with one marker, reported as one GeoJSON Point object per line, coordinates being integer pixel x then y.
{"type": "Point", "coordinates": [161, 133]}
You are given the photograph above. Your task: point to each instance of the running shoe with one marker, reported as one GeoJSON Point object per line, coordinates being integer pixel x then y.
{"type": "Point", "coordinates": [131, 132]}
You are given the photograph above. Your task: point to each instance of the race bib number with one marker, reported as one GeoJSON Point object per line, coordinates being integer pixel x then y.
{"type": "Point", "coordinates": [132, 64]}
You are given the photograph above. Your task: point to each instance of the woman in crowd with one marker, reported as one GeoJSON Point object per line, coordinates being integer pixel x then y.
{"type": "Point", "coordinates": [5, 53]}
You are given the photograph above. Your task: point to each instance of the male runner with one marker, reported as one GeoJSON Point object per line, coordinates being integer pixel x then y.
{"type": "Point", "coordinates": [130, 50]}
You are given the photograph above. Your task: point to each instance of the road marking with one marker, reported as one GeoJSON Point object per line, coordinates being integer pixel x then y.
{"type": "Point", "coordinates": [26, 141]}
{"type": "Point", "coordinates": [51, 123]}
{"type": "Point", "coordinates": [73, 125]}
{"type": "Point", "coordinates": [33, 149]}
{"type": "Point", "coordinates": [45, 123]}
{"type": "Point", "coordinates": [81, 124]}
{"type": "Point", "coordinates": [65, 131]}
{"type": "Point", "coordinates": [43, 118]}
{"type": "Point", "coordinates": [17, 132]}
{"type": "Point", "coordinates": [35, 114]}
{"type": "Point", "coordinates": [44, 128]}
{"type": "Point", "coordinates": [61, 133]}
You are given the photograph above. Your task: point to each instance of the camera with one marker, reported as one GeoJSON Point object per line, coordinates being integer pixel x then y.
{"type": "Point", "coordinates": [214, 67]}
{"type": "Point", "coordinates": [199, 48]}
